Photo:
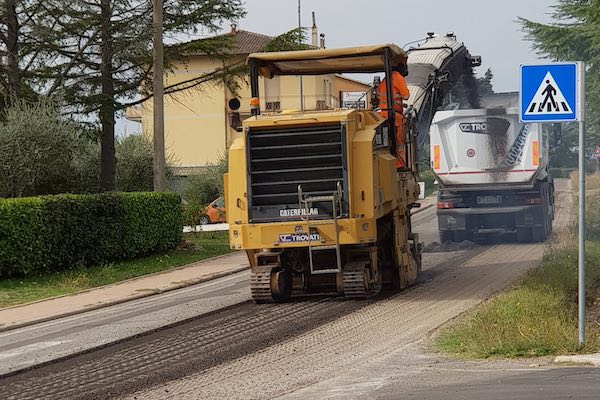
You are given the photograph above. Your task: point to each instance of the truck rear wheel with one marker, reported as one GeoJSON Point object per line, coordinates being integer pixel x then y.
{"type": "Point", "coordinates": [524, 235]}
{"type": "Point", "coordinates": [538, 235]}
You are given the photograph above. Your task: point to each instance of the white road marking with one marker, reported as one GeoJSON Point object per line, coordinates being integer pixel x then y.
{"type": "Point", "coordinates": [31, 347]}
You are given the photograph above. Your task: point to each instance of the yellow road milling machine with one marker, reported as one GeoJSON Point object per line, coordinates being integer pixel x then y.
{"type": "Point", "coordinates": [314, 197]}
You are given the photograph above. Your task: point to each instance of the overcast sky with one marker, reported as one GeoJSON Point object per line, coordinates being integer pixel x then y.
{"type": "Point", "coordinates": [488, 28]}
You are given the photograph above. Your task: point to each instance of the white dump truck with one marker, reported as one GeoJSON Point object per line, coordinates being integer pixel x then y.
{"type": "Point", "coordinates": [492, 173]}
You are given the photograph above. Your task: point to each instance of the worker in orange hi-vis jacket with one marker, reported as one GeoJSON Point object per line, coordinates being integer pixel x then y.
{"type": "Point", "coordinates": [400, 93]}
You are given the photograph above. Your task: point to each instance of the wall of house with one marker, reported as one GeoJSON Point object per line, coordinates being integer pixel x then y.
{"type": "Point", "coordinates": [342, 84]}
{"type": "Point", "coordinates": [317, 92]}
{"type": "Point", "coordinates": [198, 121]}
{"type": "Point", "coordinates": [195, 121]}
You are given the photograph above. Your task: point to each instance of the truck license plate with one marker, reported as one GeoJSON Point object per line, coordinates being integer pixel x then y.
{"type": "Point", "coordinates": [489, 199]}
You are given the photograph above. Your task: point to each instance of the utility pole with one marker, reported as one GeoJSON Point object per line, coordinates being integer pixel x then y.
{"type": "Point", "coordinates": [300, 42]}
{"type": "Point", "coordinates": [160, 175]}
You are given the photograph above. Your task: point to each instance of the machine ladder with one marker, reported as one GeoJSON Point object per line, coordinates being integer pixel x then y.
{"type": "Point", "coordinates": [305, 204]}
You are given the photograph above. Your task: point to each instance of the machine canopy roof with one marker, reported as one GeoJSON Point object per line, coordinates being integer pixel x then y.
{"type": "Point", "coordinates": [326, 61]}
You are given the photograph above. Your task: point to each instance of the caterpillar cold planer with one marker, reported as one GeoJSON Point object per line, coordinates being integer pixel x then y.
{"type": "Point", "coordinates": [314, 197]}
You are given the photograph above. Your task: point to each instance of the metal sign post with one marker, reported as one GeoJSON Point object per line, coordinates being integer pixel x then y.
{"type": "Point", "coordinates": [555, 92]}
{"type": "Point", "coordinates": [581, 296]}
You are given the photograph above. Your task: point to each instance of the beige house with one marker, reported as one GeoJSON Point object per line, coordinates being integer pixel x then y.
{"type": "Point", "coordinates": [199, 123]}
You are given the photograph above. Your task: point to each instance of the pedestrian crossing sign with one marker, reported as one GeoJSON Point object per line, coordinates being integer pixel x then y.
{"type": "Point", "coordinates": [550, 92]}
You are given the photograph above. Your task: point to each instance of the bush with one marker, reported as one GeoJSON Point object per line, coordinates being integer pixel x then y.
{"type": "Point", "coordinates": [135, 164]}
{"type": "Point", "coordinates": [37, 150]}
{"type": "Point", "coordinates": [192, 214]}
{"type": "Point", "coordinates": [427, 177]}
{"type": "Point", "coordinates": [206, 186]}
{"type": "Point", "coordinates": [592, 216]}
{"type": "Point", "coordinates": [52, 233]}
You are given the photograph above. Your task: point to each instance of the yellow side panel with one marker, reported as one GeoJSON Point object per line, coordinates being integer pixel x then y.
{"type": "Point", "coordinates": [226, 193]}
{"type": "Point", "coordinates": [387, 190]}
{"type": "Point", "coordinates": [237, 203]}
{"type": "Point", "coordinates": [361, 175]}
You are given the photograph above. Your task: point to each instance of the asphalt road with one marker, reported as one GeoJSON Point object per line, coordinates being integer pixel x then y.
{"type": "Point", "coordinates": [548, 384]}
{"type": "Point", "coordinates": [41, 343]}
{"type": "Point", "coordinates": [309, 348]}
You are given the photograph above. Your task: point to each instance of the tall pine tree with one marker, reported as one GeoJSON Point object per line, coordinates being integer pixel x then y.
{"type": "Point", "coordinates": [103, 55]}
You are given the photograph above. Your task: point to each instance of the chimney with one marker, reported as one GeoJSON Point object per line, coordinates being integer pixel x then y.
{"type": "Point", "coordinates": [322, 45]}
{"type": "Point", "coordinates": [233, 28]}
{"type": "Point", "coordinates": [315, 43]}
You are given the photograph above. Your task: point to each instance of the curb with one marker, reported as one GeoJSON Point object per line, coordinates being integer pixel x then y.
{"type": "Point", "coordinates": [121, 301]}
{"type": "Point", "coordinates": [114, 283]}
{"type": "Point", "coordinates": [581, 359]}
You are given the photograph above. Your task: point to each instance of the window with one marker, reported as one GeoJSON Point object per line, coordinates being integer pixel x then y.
{"type": "Point", "coordinates": [381, 138]}
{"type": "Point", "coordinates": [220, 202]}
{"type": "Point", "coordinates": [273, 106]}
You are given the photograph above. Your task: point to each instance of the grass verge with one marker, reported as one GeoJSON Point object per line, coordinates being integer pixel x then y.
{"type": "Point", "coordinates": [202, 245]}
{"type": "Point", "coordinates": [538, 316]}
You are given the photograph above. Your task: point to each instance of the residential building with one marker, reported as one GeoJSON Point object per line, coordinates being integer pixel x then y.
{"type": "Point", "coordinates": [199, 122]}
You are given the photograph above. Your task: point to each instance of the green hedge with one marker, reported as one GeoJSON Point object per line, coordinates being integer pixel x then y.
{"type": "Point", "coordinates": [51, 233]}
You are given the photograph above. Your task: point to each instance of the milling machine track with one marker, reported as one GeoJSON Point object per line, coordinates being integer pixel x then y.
{"type": "Point", "coordinates": [357, 284]}
{"type": "Point", "coordinates": [260, 284]}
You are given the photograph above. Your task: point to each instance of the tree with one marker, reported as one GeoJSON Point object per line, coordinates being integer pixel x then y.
{"type": "Point", "coordinates": [10, 40]}
{"type": "Point", "coordinates": [102, 51]}
{"type": "Point", "coordinates": [574, 35]}
{"type": "Point", "coordinates": [19, 48]}
{"type": "Point", "coordinates": [485, 83]}
{"type": "Point", "coordinates": [293, 40]}
{"type": "Point", "coordinates": [135, 157]}
{"type": "Point", "coordinates": [37, 151]}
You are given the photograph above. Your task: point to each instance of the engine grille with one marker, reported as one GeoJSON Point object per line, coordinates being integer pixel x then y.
{"type": "Point", "coordinates": [280, 159]}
